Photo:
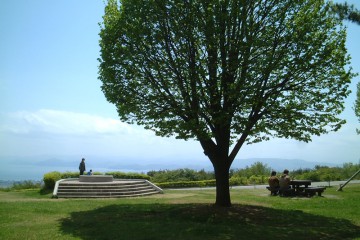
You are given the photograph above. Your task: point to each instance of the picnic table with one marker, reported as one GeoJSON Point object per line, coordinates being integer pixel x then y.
{"type": "Point", "coordinates": [301, 187]}
{"type": "Point", "coordinates": [298, 188]}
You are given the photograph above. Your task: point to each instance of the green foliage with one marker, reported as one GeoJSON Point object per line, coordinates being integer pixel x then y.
{"type": "Point", "coordinates": [238, 181]}
{"type": "Point", "coordinates": [225, 72]}
{"type": "Point", "coordinates": [349, 169]}
{"type": "Point", "coordinates": [27, 184]}
{"type": "Point", "coordinates": [122, 175]}
{"type": "Point", "coordinates": [50, 179]}
{"type": "Point", "coordinates": [256, 169]}
{"type": "Point", "coordinates": [350, 13]}
{"type": "Point", "coordinates": [21, 185]}
{"type": "Point", "coordinates": [65, 175]}
{"type": "Point", "coordinates": [68, 174]}
{"type": "Point", "coordinates": [325, 173]}
{"type": "Point", "coordinates": [187, 184]}
{"type": "Point", "coordinates": [186, 68]}
{"type": "Point", "coordinates": [346, 12]}
{"type": "Point", "coordinates": [313, 176]}
{"type": "Point", "coordinates": [180, 175]}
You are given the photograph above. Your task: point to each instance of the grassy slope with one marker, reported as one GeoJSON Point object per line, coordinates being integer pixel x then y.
{"type": "Point", "coordinates": [180, 214]}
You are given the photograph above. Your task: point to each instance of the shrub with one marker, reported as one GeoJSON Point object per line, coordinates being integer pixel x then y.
{"type": "Point", "coordinates": [122, 175]}
{"type": "Point", "coordinates": [187, 184]}
{"type": "Point", "coordinates": [236, 181]}
{"type": "Point", "coordinates": [69, 175]}
{"type": "Point", "coordinates": [50, 179]}
{"type": "Point", "coordinates": [257, 179]}
{"type": "Point", "coordinates": [183, 174]}
{"type": "Point", "coordinates": [27, 184]}
{"type": "Point", "coordinates": [21, 185]}
{"type": "Point", "coordinates": [313, 176]}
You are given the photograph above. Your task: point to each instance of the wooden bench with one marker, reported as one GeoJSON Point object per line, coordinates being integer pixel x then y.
{"type": "Point", "coordinates": [311, 191]}
{"type": "Point", "coordinates": [274, 191]}
{"type": "Point", "coordinates": [287, 192]}
{"type": "Point", "coordinates": [96, 178]}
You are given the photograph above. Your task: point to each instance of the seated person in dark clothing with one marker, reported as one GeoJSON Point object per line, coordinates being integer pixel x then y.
{"type": "Point", "coordinates": [284, 182]}
{"type": "Point", "coordinates": [273, 183]}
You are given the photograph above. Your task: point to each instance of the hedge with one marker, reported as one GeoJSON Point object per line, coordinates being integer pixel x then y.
{"type": "Point", "coordinates": [233, 181]}
{"type": "Point", "coordinates": [185, 184]}
{"type": "Point", "coordinates": [122, 175]}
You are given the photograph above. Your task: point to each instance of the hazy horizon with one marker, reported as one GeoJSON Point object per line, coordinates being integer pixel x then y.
{"type": "Point", "coordinates": [23, 168]}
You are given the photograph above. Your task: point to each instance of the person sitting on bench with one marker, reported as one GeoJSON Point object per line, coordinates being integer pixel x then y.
{"type": "Point", "coordinates": [274, 183]}
{"type": "Point", "coordinates": [284, 182]}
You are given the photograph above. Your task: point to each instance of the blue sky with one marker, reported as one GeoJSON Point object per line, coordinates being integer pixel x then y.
{"type": "Point", "coordinates": [51, 103]}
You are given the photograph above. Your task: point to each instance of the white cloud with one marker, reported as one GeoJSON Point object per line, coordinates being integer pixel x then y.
{"type": "Point", "coordinates": [62, 122]}
{"type": "Point", "coordinates": [48, 131]}
{"type": "Point", "coordinates": [335, 147]}
{"type": "Point", "coordinates": [53, 132]}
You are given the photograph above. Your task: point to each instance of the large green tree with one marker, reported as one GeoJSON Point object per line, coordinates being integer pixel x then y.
{"type": "Point", "coordinates": [225, 72]}
{"type": "Point", "coordinates": [348, 12]}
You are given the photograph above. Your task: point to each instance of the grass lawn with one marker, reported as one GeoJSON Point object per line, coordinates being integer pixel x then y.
{"type": "Point", "coordinates": [182, 214]}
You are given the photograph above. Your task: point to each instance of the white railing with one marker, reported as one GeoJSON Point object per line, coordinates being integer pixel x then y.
{"type": "Point", "coordinates": [57, 185]}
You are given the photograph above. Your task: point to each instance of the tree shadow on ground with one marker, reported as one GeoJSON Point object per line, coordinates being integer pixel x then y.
{"type": "Point", "coordinates": [203, 221]}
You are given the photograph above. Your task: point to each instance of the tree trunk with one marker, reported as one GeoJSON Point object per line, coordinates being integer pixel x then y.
{"type": "Point", "coordinates": [222, 185]}
{"type": "Point", "coordinates": [221, 163]}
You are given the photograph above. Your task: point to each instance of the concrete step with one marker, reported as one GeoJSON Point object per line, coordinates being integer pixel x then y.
{"type": "Point", "coordinates": [94, 190]}
{"type": "Point", "coordinates": [72, 188]}
{"type": "Point", "coordinates": [103, 186]}
{"type": "Point", "coordinates": [89, 186]}
{"type": "Point", "coordinates": [106, 194]}
{"type": "Point", "coordinates": [105, 189]}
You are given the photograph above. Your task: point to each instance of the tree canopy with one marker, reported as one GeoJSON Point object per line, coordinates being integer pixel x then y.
{"type": "Point", "coordinates": [225, 72]}
{"type": "Point", "coordinates": [348, 12]}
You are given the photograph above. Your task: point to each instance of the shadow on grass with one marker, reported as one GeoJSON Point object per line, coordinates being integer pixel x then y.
{"type": "Point", "coordinates": [45, 191]}
{"type": "Point", "coordinates": [202, 221]}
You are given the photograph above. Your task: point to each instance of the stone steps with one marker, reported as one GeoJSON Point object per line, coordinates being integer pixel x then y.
{"type": "Point", "coordinates": [73, 188]}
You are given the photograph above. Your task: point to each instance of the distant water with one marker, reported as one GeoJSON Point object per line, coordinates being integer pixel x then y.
{"type": "Point", "coordinates": [26, 172]}
{"type": "Point", "coordinates": [22, 173]}
{"type": "Point", "coordinates": [34, 168]}
{"type": "Point", "coordinates": [9, 172]}
{"type": "Point", "coordinates": [5, 184]}
{"type": "Point", "coordinates": [20, 169]}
